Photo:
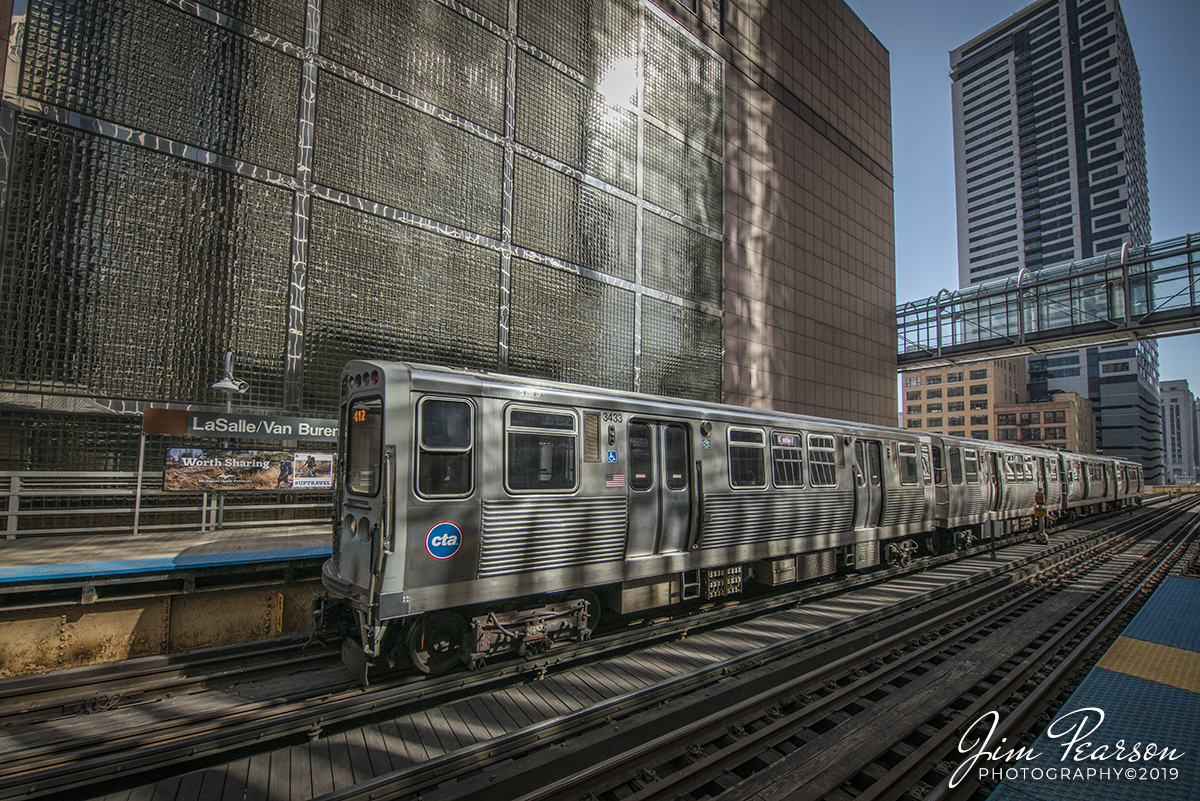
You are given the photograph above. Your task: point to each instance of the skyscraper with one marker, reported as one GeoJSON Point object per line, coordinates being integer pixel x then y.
{"type": "Point", "coordinates": [1050, 167]}
{"type": "Point", "coordinates": [1180, 435]}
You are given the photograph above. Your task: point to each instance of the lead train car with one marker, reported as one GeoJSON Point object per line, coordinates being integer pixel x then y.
{"type": "Point", "coordinates": [479, 513]}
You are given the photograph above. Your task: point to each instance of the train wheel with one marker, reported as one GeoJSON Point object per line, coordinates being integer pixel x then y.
{"type": "Point", "coordinates": [437, 643]}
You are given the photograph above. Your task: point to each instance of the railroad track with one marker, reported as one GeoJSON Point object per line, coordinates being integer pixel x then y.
{"type": "Point", "coordinates": [880, 722]}
{"type": "Point", "coordinates": [29, 700]}
{"type": "Point", "coordinates": [196, 732]}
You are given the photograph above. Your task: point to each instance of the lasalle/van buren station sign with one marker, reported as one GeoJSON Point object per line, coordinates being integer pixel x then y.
{"type": "Point", "coordinates": [205, 469]}
{"type": "Point", "coordinates": [235, 425]}
{"type": "Point", "coordinates": [257, 426]}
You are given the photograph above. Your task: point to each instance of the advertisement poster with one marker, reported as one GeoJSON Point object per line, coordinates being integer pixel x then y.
{"type": "Point", "coordinates": [206, 470]}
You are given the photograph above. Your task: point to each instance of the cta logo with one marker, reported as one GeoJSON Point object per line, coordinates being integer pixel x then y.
{"type": "Point", "coordinates": [443, 540]}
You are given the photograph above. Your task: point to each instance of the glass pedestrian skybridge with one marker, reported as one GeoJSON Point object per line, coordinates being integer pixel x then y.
{"type": "Point", "coordinates": [1139, 292]}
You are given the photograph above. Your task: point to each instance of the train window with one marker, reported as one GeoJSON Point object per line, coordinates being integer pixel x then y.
{"type": "Point", "coordinates": [971, 466]}
{"type": "Point", "coordinates": [908, 464]}
{"type": "Point", "coordinates": [444, 456]}
{"type": "Point", "coordinates": [939, 468]}
{"type": "Point", "coordinates": [876, 464]}
{"type": "Point", "coordinates": [364, 446]}
{"type": "Point", "coordinates": [747, 458]}
{"type": "Point", "coordinates": [541, 450]}
{"type": "Point", "coordinates": [956, 471]}
{"type": "Point", "coordinates": [787, 458]}
{"type": "Point", "coordinates": [926, 470]}
{"type": "Point", "coordinates": [675, 457]}
{"type": "Point", "coordinates": [641, 457]}
{"type": "Point", "coordinates": [822, 461]}
{"type": "Point", "coordinates": [860, 461]}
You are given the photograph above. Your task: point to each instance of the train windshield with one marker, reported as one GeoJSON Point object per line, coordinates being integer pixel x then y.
{"type": "Point", "coordinates": [363, 446]}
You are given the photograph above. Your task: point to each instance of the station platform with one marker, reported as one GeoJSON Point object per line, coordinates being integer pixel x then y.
{"type": "Point", "coordinates": [50, 572]}
{"type": "Point", "coordinates": [75, 600]}
{"type": "Point", "coordinates": [63, 558]}
{"type": "Point", "coordinates": [1131, 730]}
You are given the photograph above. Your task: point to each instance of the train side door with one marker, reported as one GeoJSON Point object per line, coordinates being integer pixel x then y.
{"type": "Point", "coordinates": [868, 483]}
{"type": "Point", "coordinates": [660, 491]}
{"type": "Point", "coordinates": [997, 482]}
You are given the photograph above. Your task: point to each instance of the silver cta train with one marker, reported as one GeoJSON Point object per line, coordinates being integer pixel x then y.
{"type": "Point", "coordinates": [478, 514]}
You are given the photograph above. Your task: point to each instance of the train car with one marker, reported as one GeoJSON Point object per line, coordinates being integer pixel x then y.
{"type": "Point", "coordinates": [980, 481]}
{"type": "Point", "coordinates": [1130, 482]}
{"type": "Point", "coordinates": [1099, 484]}
{"type": "Point", "coordinates": [480, 514]}
{"type": "Point", "coordinates": [964, 491]}
{"type": "Point", "coordinates": [460, 490]}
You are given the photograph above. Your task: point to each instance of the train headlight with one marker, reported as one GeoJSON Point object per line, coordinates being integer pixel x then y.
{"type": "Point", "coordinates": [350, 524]}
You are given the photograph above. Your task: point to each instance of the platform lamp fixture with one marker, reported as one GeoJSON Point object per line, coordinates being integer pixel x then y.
{"type": "Point", "coordinates": [229, 385]}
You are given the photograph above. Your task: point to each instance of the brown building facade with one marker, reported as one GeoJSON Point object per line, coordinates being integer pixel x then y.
{"type": "Point", "coordinates": [1065, 423]}
{"type": "Point", "coordinates": [961, 401]}
{"type": "Point", "coordinates": [810, 313]}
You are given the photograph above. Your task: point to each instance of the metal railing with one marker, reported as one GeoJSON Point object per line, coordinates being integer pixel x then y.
{"type": "Point", "coordinates": [55, 503]}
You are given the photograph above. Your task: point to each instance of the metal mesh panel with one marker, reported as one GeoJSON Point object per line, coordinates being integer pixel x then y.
{"type": "Point", "coordinates": [698, 198]}
{"type": "Point", "coordinates": [381, 289]}
{"type": "Point", "coordinates": [422, 48]}
{"type": "Point", "coordinates": [154, 69]}
{"type": "Point", "coordinates": [683, 85]}
{"type": "Point", "coordinates": [680, 261]}
{"type": "Point", "coordinates": [562, 217]}
{"type": "Point", "coordinates": [568, 328]}
{"type": "Point", "coordinates": [590, 36]}
{"type": "Point", "coordinates": [47, 441]}
{"type": "Point", "coordinates": [562, 118]}
{"type": "Point", "coordinates": [284, 18]}
{"type": "Point", "coordinates": [495, 10]}
{"type": "Point", "coordinates": [376, 148]}
{"type": "Point", "coordinates": [129, 273]}
{"type": "Point", "coordinates": [681, 351]}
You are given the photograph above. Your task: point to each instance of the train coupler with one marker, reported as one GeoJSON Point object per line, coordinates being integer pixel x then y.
{"type": "Point", "coordinates": [331, 619]}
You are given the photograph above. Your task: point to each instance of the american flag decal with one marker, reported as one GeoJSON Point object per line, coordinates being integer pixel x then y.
{"type": "Point", "coordinates": [614, 480]}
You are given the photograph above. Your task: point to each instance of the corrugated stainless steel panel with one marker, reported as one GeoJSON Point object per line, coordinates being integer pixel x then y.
{"type": "Point", "coordinates": [547, 533]}
{"type": "Point", "coordinates": [974, 499]}
{"type": "Point", "coordinates": [744, 518]}
{"type": "Point", "coordinates": [1018, 497]}
{"type": "Point", "coordinates": [904, 505]}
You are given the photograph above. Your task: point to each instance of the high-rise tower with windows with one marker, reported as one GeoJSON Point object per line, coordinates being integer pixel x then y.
{"type": "Point", "coordinates": [1050, 167]}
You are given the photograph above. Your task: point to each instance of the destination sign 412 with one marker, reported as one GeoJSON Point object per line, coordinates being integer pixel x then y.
{"type": "Point", "coordinates": [256, 426]}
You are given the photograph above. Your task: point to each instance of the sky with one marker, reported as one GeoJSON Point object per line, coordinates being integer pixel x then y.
{"type": "Point", "coordinates": [919, 35]}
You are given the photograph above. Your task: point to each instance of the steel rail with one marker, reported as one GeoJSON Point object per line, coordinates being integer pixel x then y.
{"type": "Point", "coordinates": [184, 742]}
{"type": "Point", "coordinates": [465, 761]}
{"type": "Point", "coordinates": [1023, 715]}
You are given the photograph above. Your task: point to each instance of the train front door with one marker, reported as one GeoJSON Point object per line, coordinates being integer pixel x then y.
{"type": "Point", "coordinates": [868, 483]}
{"type": "Point", "coordinates": [660, 488]}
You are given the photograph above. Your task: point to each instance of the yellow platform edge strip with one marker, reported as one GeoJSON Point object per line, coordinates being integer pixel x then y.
{"type": "Point", "coordinates": [1175, 667]}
